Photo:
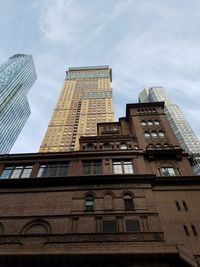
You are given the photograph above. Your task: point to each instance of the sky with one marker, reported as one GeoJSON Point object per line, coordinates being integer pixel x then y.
{"type": "Point", "coordinates": [146, 43]}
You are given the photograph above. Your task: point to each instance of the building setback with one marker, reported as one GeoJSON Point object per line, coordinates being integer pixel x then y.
{"type": "Point", "coordinates": [126, 198]}
{"type": "Point", "coordinates": [17, 75]}
{"type": "Point", "coordinates": [85, 100]}
{"type": "Point", "coordinates": [185, 135]}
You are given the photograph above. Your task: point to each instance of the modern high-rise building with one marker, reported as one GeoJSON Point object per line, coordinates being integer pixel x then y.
{"type": "Point", "coordinates": [17, 75]}
{"type": "Point", "coordinates": [85, 100]}
{"type": "Point", "coordinates": [185, 135]}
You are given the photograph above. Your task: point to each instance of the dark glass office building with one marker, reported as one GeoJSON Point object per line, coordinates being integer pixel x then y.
{"type": "Point", "coordinates": [17, 75]}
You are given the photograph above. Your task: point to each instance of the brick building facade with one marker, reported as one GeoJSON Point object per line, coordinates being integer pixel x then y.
{"type": "Point", "coordinates": [126, 198]}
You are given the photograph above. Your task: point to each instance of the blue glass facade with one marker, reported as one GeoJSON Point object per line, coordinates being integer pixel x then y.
{"type": "Point", "coordinates": [17, 75]}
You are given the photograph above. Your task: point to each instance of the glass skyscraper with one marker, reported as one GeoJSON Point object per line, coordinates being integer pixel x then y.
{"type": "Point", "coordinates": [17, 75]}
{"type": "Point", "coordinates": [185, 135]}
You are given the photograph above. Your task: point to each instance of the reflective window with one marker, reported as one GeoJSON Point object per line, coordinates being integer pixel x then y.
{"type": "Point", "coordinates": [169, 171]}
{"type": "Point", "coordinates": [143, 123]}
{"type": "Point", "coordinates": [147, 135]}
{"type": "Point", "coordinates": [16, 172]}
{"type": "Point", "coordinates": [123, 146]}
{"type": "Point", "coordinates": [123, 166]}
{"type": "Point", "coordinates": [53, 169]}
{"type": "Point", "coordinates": [89, 202]}
{"type": "Point", "coordinates": [156, 122]}
{"type": "Point", "coordinates": [150, 123]}
{"type": "Point", "coordinates": [154, 135]}
{"type": "Point", "coordinates": [161, 134]}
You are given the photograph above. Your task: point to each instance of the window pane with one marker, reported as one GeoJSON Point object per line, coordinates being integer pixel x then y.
{"type": "Point", "coordinates": [26, 172]}
{"type": "Point", "coordinates": [150, 123]}
{"type": "Point", "coordinates": [42, 171]}
{"type": "Point", "coordinates": [63, 170]}
{"type": "Point", "coordinates": [128, 167]}
{"type": "Point", "coordinates": [132, 226]}
{"type": "Point", "coordinates": [89, 202]}
{"type": "Point", "coordinates": [169, 171]}
{"type": "Point", "coordinates": [123, 146]}
{"type": "Point", "coordinates": [16, 173]}
{"type": "Point", "coordinates": [117, 166]}
{"type": "Point", "coordinates": [128, 204]}
{"type": "Point", "coordinates": [87, 168]}
{"type": "Point", "coordinates": [52, 170]}
{"type": "Point", "coordinates": [97, 167]}
{"type": "Point", "coordinates": [6, 173]}
{"type": "Point", "coordinates": [109, 226]}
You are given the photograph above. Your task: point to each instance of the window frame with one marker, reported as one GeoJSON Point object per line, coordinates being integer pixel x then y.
{"type": "Point", "coordinates": [92, 164]}
{"type": "Point", "coordinates": [48, 167]}
{"type": "Point", "coordinates": [176, 171]}
{"type": "Point", "coordinates": [21, 171]}
{"type": "Point", "coordinates": [119, 166]}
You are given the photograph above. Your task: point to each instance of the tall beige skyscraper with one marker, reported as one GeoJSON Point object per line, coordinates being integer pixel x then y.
{"type": "Point", "coordinates": [85, 100]}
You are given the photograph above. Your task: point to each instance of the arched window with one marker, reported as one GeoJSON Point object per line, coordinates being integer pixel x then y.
{"type": "Point", "coordinates": [89, 202]}
{"type": "Point", "coordinates": [161, 134]}
{"type": "Point", "coordinates": [154, 135]}
{"type": "Point", "coordinates": [147, 135]}
{"type": "Point", "coordinates": [128, 202]}
{"type": "Point", "coordinates": [150, 123]}
{"type": "Point", "coordinates": [156, 122]}
{"type": "Point", "coordinates": [123, 146]}
{"type": "Point", "coordinates": [158, 145]}
{"type": "Point", "coordinates": [143, 123]}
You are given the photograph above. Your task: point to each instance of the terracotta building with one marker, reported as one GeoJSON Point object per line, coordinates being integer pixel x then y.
{"type": "Point", "coordinates": [126, 198]}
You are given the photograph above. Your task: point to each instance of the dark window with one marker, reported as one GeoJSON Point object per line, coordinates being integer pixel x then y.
{"type": "Point", "coordinates": [186, 230]}
{"type": "Point", "coordinates": [89, 202]}
{"type": "Point", "coordinates": [16, 172]}
{"type": "Point", "coordinates": [169, 171]}
{"type": "Point", "coordinates": [128, 202]}
{"type": "Point", "coordinates": [132, 225]}
{"type": "Point", "coordinates": [109, 226]}
{"type": "Point", "coordinates": [92, 167]}
{"type": "Point", "coordinates": [122, 166]}
{"type": "Point", "coordinates": [178, 206]}
{"type": "Point", "coordinates": [184, 205]}
{"type": "Point", "coordinates": [194, 230]}
{"type": "Point", "coordinates": [54, 169]}
{"type": "Point", "coordinates": [89, 147]}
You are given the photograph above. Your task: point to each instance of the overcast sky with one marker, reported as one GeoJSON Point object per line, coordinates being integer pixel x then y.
{"type": "Point", "coordinates": [145, 42]}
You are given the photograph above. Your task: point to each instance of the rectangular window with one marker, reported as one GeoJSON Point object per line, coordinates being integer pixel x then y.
{"type": "Point", "coordinates": [53, 169]}
{"type": "Point", "coordinates": [132, 225]}
{"type": "Point", "coordinates": [109, 226]}
{"type": "Point", "coordinates": [92, 167]}
{"type": "Point", "coordinates": [15, 172]}
{"type": "Point", "coordinates": [169, 171]}
{"type": "Point", "coordinates": [123, 167]}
